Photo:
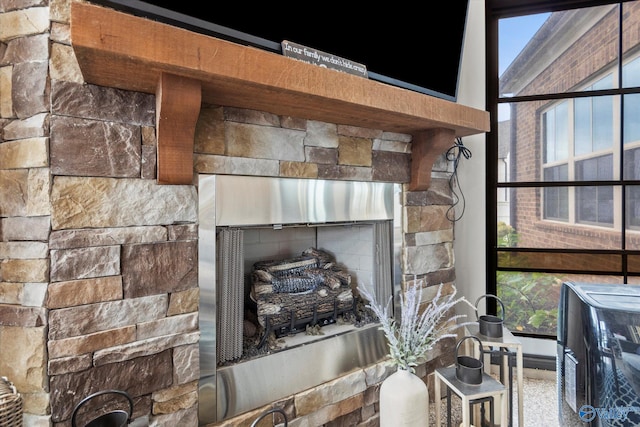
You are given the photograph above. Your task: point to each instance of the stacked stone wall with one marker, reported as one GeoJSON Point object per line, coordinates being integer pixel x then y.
{"type": "Point", "coordinates": [98, 262]}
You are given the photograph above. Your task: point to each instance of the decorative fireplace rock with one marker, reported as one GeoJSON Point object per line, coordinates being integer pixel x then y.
{"type": "Point", "coordinates": [294, 293]}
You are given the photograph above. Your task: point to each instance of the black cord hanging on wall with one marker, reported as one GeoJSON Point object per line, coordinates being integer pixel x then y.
{"type": "Point", "coordinates": [454, 154]}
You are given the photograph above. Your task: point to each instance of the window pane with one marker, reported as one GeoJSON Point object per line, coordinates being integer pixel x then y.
{"type": "Point", "coordinates": [602, 122]}
{"type": "Point", "coordinates": [593, 263]}
{"type": "Point", "coordinates": [582, 133]}
{"type": "Point", "coordinates": [535, 50]}
{"type": "Point", "coordinates": [632, 164]}
{"type": "Point", "coordinates": [632, 119]}
{"type": "Point", "coordinates": [549, 217]}
{"type": "Point", "coordinates": [633, 217]}
{"type": "Point", "coordinates": [531, 299]}
{"type": "Point", "coordinates": [630, 40]}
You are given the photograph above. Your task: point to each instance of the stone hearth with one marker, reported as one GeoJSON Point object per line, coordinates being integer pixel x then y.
{"type": "Point", "coordinates": [98, 262]}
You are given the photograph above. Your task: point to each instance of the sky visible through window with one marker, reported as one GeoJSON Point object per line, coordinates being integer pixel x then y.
{"type": "Point", "coordinates": [513, 36]}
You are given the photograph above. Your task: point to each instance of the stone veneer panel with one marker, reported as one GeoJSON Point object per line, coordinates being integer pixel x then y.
{"type": "Point", "coordinates": [119, 306]}
{"type": "Point", "coordinates": [83, 263]}
{"type": "Point", "coordinates": [114, 149]}
{"type": "Point", "coordinates": [242, 140]}
{"type": "Point", "coordinates": [159, 268]}
{"type": "Point", "coordinates": [88, 319]}
{"type": "Point", "coordinates": [98, 202]}
{"type": "Point", "coordinates": [140, 376]}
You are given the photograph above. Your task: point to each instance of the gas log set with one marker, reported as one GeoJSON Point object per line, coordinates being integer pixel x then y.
{"type": "Point", "coordinates": [291, 295]}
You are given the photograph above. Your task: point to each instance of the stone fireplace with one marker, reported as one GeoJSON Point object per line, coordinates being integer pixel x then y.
{"type": "Point", "coordinates": [107, 121]}
{"type": "Point", "coordinates": [288, 223]}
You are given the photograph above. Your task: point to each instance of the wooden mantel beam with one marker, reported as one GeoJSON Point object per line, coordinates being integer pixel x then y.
{"type": "Point", "coordinates": [120, 50]}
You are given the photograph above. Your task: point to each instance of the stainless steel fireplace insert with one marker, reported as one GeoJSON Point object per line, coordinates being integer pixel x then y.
{"type": "Point", "coordinates": [243, 219]}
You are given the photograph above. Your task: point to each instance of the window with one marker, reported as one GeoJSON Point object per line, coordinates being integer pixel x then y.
{"type": "Point", "coordinates": [566, 82]}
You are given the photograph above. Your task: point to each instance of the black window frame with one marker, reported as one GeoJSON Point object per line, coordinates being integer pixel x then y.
{"type": "Point", "coordinates": [494, 11]}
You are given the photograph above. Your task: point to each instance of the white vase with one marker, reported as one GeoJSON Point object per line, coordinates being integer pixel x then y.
{"type": "Point", "coordinates": [404, 400]}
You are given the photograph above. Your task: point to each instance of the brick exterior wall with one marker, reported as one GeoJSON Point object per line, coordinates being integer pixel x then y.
{"type": "Point", "coordinates": [593, 52]}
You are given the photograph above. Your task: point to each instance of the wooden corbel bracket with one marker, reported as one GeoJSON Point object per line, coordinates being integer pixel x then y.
{"type": "Point", "coordinates": [426, 147]}
{"type": "Point", "coordinates": [178, 101]}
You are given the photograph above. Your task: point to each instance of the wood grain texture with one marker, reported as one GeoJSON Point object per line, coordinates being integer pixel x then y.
{"type": "Point", "coordinates": [119, 50]}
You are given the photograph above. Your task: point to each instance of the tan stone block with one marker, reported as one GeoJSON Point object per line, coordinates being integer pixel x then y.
{"type": "Point", "coordinates": [183, 302]}
{"type": "Point", "coordinates": [183, 323]}
{"type": "Point", "coordinates": [350, 173]}
{"type": "Point", "coordinates": [60, 32]}
{"type": "Point", "coordinates": [86, 291]}
{"type": "Point", "coordinates": [6, 100]}
{"type": "Point", "coordinates": [97, 202]}
{"type": "Point", "coordinates": [325, 414]}
{"type": "Point", "coordinates": [209, 135]}
{"type": "Point", "coordinates": [321, 134]}
{"type": "Point", "coordinates": [181, 402]}
{"type": "Point", "coordinates": [359, 132]}
{"type": "Point", "coordinates": [148, 162]}
{"type": "Point", "coordinates": [76, 346]}
{"type": "Point", "coordinates": [73, 321]}
{"type": "Point", "coordinates": [168, 394]}
{"type": "Point", "coordinates": [425, 259]}
{"type": "Point", "coordinates": [11, 293]}
{"type": "Point", "coordinates": [26, 317]}
{"type": "Point", "coordinates": [21, 228]}
{"type": "Point", "coordinates": [31, 127]}
{"type": "Point", "coordinates": [138, 349]}
{"type": "Point", "coordinates": [83, 263]}
{"type": "Point", "coordinates": [36, 403]}
{"type": "Point", "coordinates": [186, 364]}
{"type": "Point", "coordinates": [63, 64]}
{"type": "Point", "coordinates": [24, 270]}
{"type": "Point", "coordinates": [298, 169]}
{"type": "Point", "coordinates": [26, 49]}
{"type": "Point", "coordinates": [354, 151]}
{"type": "Point", "coordinates": [393, 146]}
{"type": "Point", "coordinates": [68, 239]}
{"type": "Point", "coordinates": [23, 250]}
{"type": "Point", "coordinates": [13, 194]}
{"type": "Point", "coordinates": [243, 115]}
{"type": "Point", "coordinates": [23, 22]}
{"type": "Point", "coordinates": [434, 237]}
{"type": "Point", "coordinates": [331, 392]}
{"type": "Point", "coordinates": [182, 232]}
{"type": "Point", "coordinates": [25, 153]}
{"type": "Point", "coordinates": [205, 163]}
{"type": "Point", "coordinates": [65, 365]}
{"type": "Point", "coordinates": [39, 188]}
{"type": "Point", "coordinates": [28, 371]}
{"type": "Point", "coordinates": [148, 134]}
{"type": "Point", "coordinates": [264, 142]}
{"type": "Point", "coordinates": [60, 10]}
{"type": "Point", "coordinates": [34, 294]}
{"type": "Point", "coordinates": [31, 92]}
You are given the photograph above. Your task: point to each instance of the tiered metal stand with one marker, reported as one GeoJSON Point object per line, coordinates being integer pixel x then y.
{"type": "Point", "coordinates": [509, 351]}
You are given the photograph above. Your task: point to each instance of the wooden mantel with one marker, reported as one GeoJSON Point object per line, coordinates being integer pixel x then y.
{"type": "Point", "coordinates": [185, 69]}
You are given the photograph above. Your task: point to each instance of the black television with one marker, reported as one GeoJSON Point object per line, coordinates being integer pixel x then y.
{"type": "Point", "coordinates": [416, 48]}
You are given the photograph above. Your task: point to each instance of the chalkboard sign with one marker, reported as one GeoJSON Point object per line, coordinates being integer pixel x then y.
{"type": "Point", "coordinates": [322, 59]}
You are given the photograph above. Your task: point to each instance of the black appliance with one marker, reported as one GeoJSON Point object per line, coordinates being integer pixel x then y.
{"type": "Point", "coordinates": [598, 359]}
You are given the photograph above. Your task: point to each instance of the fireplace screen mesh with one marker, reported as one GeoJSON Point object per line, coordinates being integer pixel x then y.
{"type": "Point", "coordinates": [230, 294]}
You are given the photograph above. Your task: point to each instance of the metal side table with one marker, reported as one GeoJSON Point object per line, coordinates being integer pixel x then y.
{"type": "Point", "coordinates": [469, 394]}
{"type": "Point", "coordinates": [507, 347]}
